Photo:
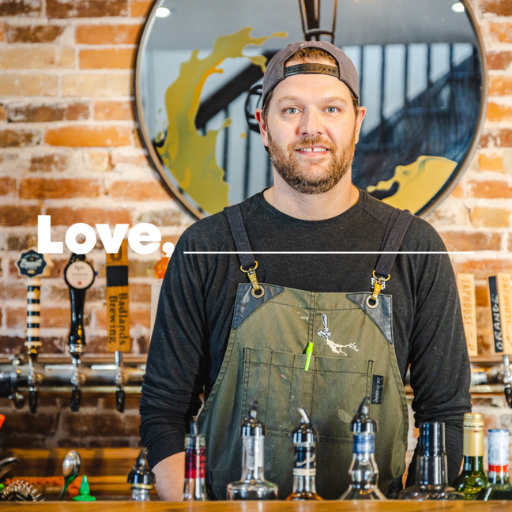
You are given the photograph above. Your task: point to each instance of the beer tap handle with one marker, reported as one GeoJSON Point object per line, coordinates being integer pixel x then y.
{"type": "Point", "coordinates": [120, 395]}
{"type": "Point", "coordinates": [76, 397]}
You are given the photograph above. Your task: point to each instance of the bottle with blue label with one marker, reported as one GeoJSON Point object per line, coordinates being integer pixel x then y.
{"type": "Point", "coordinates": [363, 471]}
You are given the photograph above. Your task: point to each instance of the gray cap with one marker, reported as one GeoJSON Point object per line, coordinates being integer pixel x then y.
{"type": "Point", "coordinates": [276, 71]}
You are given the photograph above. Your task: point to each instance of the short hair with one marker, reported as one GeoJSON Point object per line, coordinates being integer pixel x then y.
{"type": "Point", "coordinates": [305, 55]}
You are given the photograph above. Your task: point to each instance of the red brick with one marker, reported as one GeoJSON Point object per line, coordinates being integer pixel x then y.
{"type": "Point", "coordinates": [18, 243]}
{"type": "Point", "coordinates": [44, 113]}
{"type": "Point", "coordinates": [116, 58]}
{"type": "Point", "coordinates": [113, 111]}
{"type": "Point", "coordinates": [490, 189]}
{"type": "Point", "coordinates": [490, 217]}
{"type": "Point", "coordinates": [86, 8]}
{"type": "Point", "coordinates": [498, 113]}
{"type": "Point", "coordinates": [2, 30]}
{"type": "Point", "coordinates": [120, 158]}
{"type": "Point", "coordinates": [48, 162]}
{"type": "Point", "coordinates": [491, 163]}
{"type": "Point", "coordinates": [19, 138]}
{"type": "Point", "coordinates": [501, 32]}
{"type": "Point", "coordinates": [482, 269]}
{"type": "Point", "coordinates": [55, 317]}
{"type": "Point", "coordinates": [33, 33]}
{"type": "Point", "coordinates": [23, 7]}
{"type": "Point", "coordinates": [13, 290]}
{"type": "Point", "coordinates": [108, 34]}
{"type": "Point", "coordinates": [140, 293]}
{"type": "Point", "coordinates": [65, 216]}
{"type": "Point", "coordinates": [140, 8]}
{"type": "Point", "coordinates": [16, 318]}
{"type": "Point", "coordinates": [62, 188]}
{"type": "Point", "coordinates": [138, 190]}
{"type": "Point", "coordinates": [479, 241]}
{"type": "Point", "coordinates": [97, 84]}
{"type": "Point", "coordinates": [88, 136]}
{"type": "Point", "coordinates": [19, 215]}
{"type": "Point", "coordinates": [28, 85]}
{"type": "Point", "coordinates": [499, 60]}
{"type": "Point", "coordinates": [38, 56]}
{"type": "Point", "coordinates": [458, 190]}
{"type": "Point", "coordinates": [497, 138]}
{"type": "Point", "coordinates": [499, 7]}
{"type": "Point", "coordinates": [500, 85]}
{"type": "Point", "coordinates": [7, 186]}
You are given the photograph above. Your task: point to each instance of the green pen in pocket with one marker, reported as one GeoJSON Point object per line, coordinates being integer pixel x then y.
{"type": "Point", "coordinates": [309, 353]}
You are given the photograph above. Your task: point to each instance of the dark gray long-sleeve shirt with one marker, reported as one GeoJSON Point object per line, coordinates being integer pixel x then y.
{"type": "Point", "coordinates": [198, 294]}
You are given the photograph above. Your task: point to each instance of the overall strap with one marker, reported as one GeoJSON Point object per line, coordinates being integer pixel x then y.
{"type": "Point", "coordinates": [247, 262]}
{"type": "Point", "coordinates": [395, 233]}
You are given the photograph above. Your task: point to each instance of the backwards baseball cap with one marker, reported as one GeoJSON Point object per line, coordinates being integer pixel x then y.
{"type": "Point", "coordinates": [277, 71]}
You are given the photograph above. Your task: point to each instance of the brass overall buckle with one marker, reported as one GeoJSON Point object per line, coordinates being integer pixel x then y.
{"type": "Point", "coordinates": [257, 290]}
{"type": "Point", "coordinates": [373, 300]}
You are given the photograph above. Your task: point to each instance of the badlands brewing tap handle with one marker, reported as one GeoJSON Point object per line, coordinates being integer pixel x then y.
{"type": "Point", "coordinates": [32, 266]}
{"type": "Point", "coordinates": [79, 276]}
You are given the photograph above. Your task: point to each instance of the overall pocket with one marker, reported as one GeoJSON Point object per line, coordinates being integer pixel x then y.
{"type": "Point", "coordinates": [330, 391]}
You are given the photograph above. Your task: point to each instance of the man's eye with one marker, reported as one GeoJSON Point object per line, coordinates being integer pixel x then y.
{"type": "Point", "coordinates": [291, 110]}
{"type": "Point", "coordinates": [332, 110]}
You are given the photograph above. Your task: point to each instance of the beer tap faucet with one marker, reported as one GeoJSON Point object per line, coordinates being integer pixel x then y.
{"type": "Point", "coordinates": [79, 276]}
{"type": "Point", "coordinates": [33, 266]}
{"type": "Point", "coordinates": [119, 380]}
{"type": "Point", "coordinates": [507, 379]}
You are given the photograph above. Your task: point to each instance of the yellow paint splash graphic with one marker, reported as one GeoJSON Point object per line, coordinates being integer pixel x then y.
{"type": "Point", "coordinates": [418, 182]}
{"type": "Point", "coordinates": [189, 155]}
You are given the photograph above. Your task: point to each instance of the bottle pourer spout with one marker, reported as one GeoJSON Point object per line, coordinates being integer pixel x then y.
{"type": "Point", "coordinates": [304, 418]}
{"type": "Point", "coordinates": [361, 422]}
{"type": "Point", "coordinates": [253, 411]}
{"type": "Point", "coordinates": [193, 428]}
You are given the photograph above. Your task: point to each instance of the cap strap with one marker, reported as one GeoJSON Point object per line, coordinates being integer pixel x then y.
{"type": "Point", "coordinates": [310, 68]}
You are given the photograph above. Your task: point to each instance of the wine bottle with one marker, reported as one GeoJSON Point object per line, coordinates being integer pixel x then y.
{"type": "Point", "coordinates": [431, 468]}
{"type": "Point", "coordinates": [363, 471]}
{"type": "Point", "coordinates": [472, 478]}
{"type": "Point", "coordinates": [304, 439]}
{"type": "Point", "coordinates": [252, 485]}
{"type": "Point", "coordinates": [498, 479]}
{"type": "Point", "coordinates": [195, 485]}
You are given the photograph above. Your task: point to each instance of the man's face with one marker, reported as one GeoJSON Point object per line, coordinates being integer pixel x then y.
{"type": "Point", "coordinates": [311, 131]}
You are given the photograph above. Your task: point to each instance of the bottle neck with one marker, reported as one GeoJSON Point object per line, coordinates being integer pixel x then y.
{"type": "Point", "coordinates": [432, 470]}
{"type": "Point", "coordinates": [195, 485]}
{"type": "Point", "coordinates": [498, 474]}
{"type": "Point", "coordinates": [253, 458]}
{"type": "Point", "coordinates": [363, 470]}
{"type": "Point", "coordinates": [304, 468]}
{"type": "Point", "coordinates": [473, 464]}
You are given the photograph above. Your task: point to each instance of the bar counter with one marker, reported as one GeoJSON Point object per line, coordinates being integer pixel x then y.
{"type": "Point", "coordinates": [254, 506]}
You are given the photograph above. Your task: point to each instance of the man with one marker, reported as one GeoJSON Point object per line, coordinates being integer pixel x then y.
{"type": "Point", "coordinates": [240, 324]}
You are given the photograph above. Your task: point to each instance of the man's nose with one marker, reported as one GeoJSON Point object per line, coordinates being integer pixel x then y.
{"type": "Point", "coordinates": [311, 123]}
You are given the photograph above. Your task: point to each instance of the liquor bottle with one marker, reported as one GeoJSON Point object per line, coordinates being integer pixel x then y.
{"type": "Point", "coordinates": [431, 468]}
{"type": "Point", "coordinates": [195, 486]}
{"type": "Point", "coordinates": [252, 485]}
{"type": "Point", "coordinates": [363, 471]}
{"type": "Point", "coordinates": [141, 478]}
{"type": "Point", "coordinates": [472, 478]}
{"type": "Point", "coordinates": [498, 480]}
{"type": "Point", "coordinates": [304, 439]}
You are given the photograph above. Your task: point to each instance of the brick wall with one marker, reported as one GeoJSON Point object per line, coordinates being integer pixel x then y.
{"type": "Point", "coordinates": [69, 148]}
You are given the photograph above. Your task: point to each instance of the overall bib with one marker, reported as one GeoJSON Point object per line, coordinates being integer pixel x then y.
{"type": "Point", "coordinates": [353, 356]}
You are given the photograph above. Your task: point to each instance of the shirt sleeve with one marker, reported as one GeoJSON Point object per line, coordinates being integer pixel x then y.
{"type": "Point", "coordinates": [176, 362]}
{"type": "Point", "coordinates": [438, 356]}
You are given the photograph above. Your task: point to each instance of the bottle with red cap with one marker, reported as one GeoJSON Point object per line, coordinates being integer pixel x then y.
{"type": "Point", "coordinates": [195, 445]}
{"type": "Point", "coordinates": [498, 485]}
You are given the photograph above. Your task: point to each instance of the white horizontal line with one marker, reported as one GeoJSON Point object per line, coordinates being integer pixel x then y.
{"type": "Point", "coordinates": [328, 252]}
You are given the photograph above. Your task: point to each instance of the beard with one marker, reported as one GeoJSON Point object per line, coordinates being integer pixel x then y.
{"type": "Point", "coordinates": [305, 177]}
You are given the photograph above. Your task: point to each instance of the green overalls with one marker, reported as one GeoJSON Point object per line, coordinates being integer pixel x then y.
{"type": "Point", "coordinates": [353, 357]}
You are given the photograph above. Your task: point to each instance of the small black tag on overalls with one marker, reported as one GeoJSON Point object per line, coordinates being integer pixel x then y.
{"type": "Point", "coordinates": [377, 388]}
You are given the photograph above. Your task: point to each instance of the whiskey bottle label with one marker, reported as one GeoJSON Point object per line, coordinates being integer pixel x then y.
{"type": "Point", "coordinates": [305, 461]}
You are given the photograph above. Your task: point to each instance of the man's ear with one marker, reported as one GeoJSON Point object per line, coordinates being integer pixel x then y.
{"type": "Point", "coordinates": [258, 114]}
{"type": "Point", "coordinates": [359, 122]}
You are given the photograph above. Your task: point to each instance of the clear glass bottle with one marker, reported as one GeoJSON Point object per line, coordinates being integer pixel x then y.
{"type": "Point", "coordinates": [252, 485]}
{"type": "Point", "coordinates": [304, 439]}
{"type": "Point", "coordinates": [498, 479]}
{"type": "Point", "coordinates": [363, 471]}
{"type": "Point", "coordinates": [141, 478]}
{"type": "Point", "coordinates": [431, 468]}
{"type": "Point", "coordinates": [195, 484]}
{"type": "Point", "coordinates": [472, 478]}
